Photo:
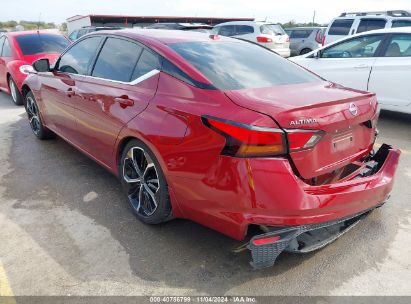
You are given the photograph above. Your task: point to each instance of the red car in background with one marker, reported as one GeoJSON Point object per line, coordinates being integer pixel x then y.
{"type": "Point", "coordinates": [220, 131]}
{"type": "Point", "coordinates": [18, 50]}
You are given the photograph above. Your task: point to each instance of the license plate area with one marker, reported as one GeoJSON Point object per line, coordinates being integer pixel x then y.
{"type": "Point", "coordinates": [342, 142]}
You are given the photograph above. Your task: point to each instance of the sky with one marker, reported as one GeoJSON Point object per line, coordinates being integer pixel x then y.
{"type": "Point", "coordinates": [278, 11]}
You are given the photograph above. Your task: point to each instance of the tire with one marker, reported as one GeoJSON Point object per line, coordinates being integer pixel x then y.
{"type": "Point", "coordinates": [36, 123]}
{"type": "Point", "coordinates": [15, 93]}
{"type": "Point", "coordinates": [147, 191]}
{"type": "Point", "coordinates": [305, 51]}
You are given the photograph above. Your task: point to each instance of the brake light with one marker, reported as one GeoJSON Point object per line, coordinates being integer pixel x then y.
{"type": "Point", "coordinates": [264, 39]}
{"type": "Point", "coordinates": [302, 139]}
{"type": "Point", "coordinates": [323, 42]}
{"type": "Point", "coordinates": [251, 141]}
{"type": "Point", "coordinates": [248, 141]}
{"type": "Point", "coordinates": [318, 37]}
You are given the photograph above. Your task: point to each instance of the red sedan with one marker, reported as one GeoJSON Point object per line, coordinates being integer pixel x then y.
{"type": "Point", "coordinates": [18, 50]}
{"type": "Point", "coordinates": [220, 131]}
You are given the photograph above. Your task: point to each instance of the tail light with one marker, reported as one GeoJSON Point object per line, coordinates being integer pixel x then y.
{"type": "Point", "coordinates": [318, 37]}
{"type": "Point", "coordinates": [323, 42]}
{"type": "Point", "coordinates": [248, 141]}
{"type": "Point", "coordinates": [288, 39]}
{"type": "Point", "coordinates": [251, 141]}
{"type": "Point", "coordinates": [302, 139]}
{"type": "Point", "coordinates": [264, 39]}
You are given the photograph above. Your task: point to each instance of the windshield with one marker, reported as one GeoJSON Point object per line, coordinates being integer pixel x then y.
{"type": "Point", "coordinates": [241, 65]}
{"type": "Point", "coordinates": [42, 43]}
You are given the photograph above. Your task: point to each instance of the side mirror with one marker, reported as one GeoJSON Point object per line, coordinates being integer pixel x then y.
{"type": "Point", "coordinates": [42, 65]}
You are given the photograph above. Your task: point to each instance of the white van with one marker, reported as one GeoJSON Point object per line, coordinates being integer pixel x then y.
{"type": "Point", "coordinates": [348, 24]}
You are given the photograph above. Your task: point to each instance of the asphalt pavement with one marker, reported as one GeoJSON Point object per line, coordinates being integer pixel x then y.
{"type": "Point", "coordinates": [66, 229]}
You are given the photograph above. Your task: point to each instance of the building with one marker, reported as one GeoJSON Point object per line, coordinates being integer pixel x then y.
{"type": "Point", "coordinates": [76, 22]}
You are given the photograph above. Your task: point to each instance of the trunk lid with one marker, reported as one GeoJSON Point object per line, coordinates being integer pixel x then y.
{"type": "Point", "coordinates": [347, 118]}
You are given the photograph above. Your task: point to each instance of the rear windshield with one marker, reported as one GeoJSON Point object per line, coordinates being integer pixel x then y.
{"type": "Point", "coordinates": [41, 43]}
{"type": "Point", "coordinates": [341, 27]}
{"type": "Point", "coordinates": [272, 29]}
{"type": "Point", "coordinates": [241, 65]}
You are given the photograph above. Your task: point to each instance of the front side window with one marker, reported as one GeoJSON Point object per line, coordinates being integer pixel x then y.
{"type": "Point", "coordinates": [1, 45]}
{"type": "Point", "coordinates": [341, 27]}
{"type": "Point", "coordinates": [240, 65]}
{"type": "Point", "coordinates": [41, 44]}
{"type": "Point", "coordinates": [371, 24]}
{"type": "Point", "coordinates": [73, 35]}
{"type": "Point", "coordinates": [364, 46]}
{"type": "Point", "coordinates": [6, 48]}
{"type": "Point", "coordinates": [78, 58]}
{"type": "Point", "coordinates": [147, 62]}
{"type": "Point", "coordinates": [400, 46]}
{"type": "Point", "coordinates": [244, 29]}
{"type": "Point", "coordinates": [401, 23]}
{"type": "Point", "coordinates": [117, 60]}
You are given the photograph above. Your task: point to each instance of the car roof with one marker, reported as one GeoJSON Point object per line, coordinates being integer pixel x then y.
{"type": "Point", "coordinates": [163, 36]}
{"type": "Point", "coordinates": [24, 33]}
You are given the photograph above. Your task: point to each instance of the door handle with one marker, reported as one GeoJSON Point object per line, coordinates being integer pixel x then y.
{"type": "Point", "coordinates": [362, 66]}
{"type": "Point", "coordinates": [70, 92]}
{"type": "Point", "coordinates": [124, 101]}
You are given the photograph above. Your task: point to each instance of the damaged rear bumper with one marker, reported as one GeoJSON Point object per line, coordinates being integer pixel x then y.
{"type": "Point", "coordinates": [378, 173]}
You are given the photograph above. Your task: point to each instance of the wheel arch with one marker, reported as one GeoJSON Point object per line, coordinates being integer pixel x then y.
{"type": "Point", "coordinates": [25, 89]}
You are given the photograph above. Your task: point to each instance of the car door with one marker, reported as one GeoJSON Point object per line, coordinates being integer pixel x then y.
{"type": "Point", "coordinates": [3, 72]}
{"type": "Point", "coordinates": [349, 62]}
{"type": "Point", "coordinates": [391, 73]}
{"type": "Point", "coordinates": [123, 81]}
{"type": "Point", "coordinates": [58, 92]}
{"type": "Point", "coordinates": [298, 38]}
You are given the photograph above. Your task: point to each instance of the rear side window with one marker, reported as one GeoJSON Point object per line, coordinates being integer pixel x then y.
{"type": "Point", "coordinates": [6, 48]}
{"type": "Point", "coordinates": [117, 60]}
{"type": "Point", "coordinates": [400, 46]}
{"type": "Point", "coordinates": [241, 65]}
{"type": "Point", "coordinates": [81, 33]}
{"type": "Point", "coordinates": [341, 27]}
{"type": "Point", "coordinates": [244, 29]}
{"type": "Point", "coordinates": [41, 44]}
{"type": "Point", "coordinates": [78, 58]}
{"type": "Point", "coordinates": [227, 30]}
{"type": "Point", "coordinates": [371, 24]}
{"type": "Point", "coordinates": [299, 34]}
{"type": "Point", "coordinates": [272, 29]}
{"type": "Point", "coordinates": [147, 62]}
{"type": "Point", "coordinates": [401, 23]}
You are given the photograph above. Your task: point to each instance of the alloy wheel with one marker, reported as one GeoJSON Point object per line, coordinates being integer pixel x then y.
{"type": "Point", "coordinates": [33, 114]}
{"type": "Point", "coordinates": [140, 174]}
{"type": "Point", "coordinates": [13, 90]}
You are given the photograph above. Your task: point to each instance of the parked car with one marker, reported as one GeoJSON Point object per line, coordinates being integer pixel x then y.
{"type": "Point", "coordinates": [18, 50]}
{"type": "Point", "coordinates": [269, 35]}
{"type": "Point", "coordinates": [305, 39]}
{"type": "Point", "coordinates": [348, 24]}
{"type": "Point", "coordinates": [377, 61]}
{"type": "Point", "coordinates": [219, 131]}
{"type": "Point", "coordinates": [76, 34]}
{"type": "Point", "coordinates": [195, 27]}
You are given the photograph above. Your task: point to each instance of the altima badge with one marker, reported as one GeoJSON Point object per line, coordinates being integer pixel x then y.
{"type": "Point", "coordinates": [305, 121]}
{"type": "Point", "coordinates": [353, 109]}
